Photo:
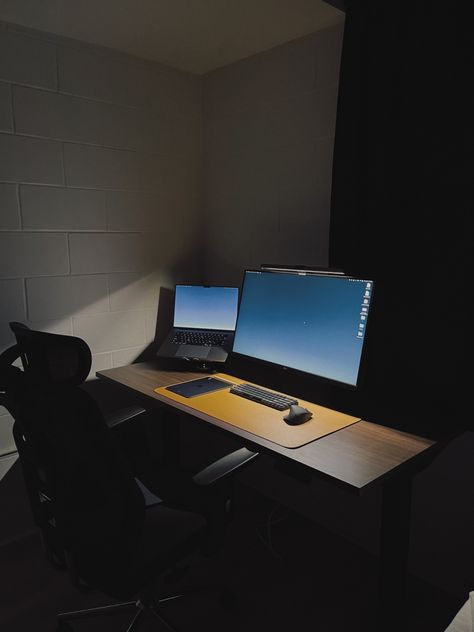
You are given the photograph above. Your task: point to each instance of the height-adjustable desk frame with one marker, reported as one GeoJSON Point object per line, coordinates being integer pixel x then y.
{"type": "Point", "coordinates": [357, 458]}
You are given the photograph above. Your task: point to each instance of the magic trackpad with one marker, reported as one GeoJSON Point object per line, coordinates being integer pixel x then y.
{"type": "Point", "coordinates": [193, 351]}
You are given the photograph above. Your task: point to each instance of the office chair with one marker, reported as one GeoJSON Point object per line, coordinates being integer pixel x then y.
{"type": "Point", "coordinates": [89, 508]}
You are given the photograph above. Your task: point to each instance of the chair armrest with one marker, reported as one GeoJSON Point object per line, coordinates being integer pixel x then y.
{"type": "Point", "coordinates": [224, 466]}
{"type": "Point", "coordinates": [117, 417]}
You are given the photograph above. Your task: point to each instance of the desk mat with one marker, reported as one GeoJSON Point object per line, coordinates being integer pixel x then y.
{"type": "Point", "coordinates": [261, 420]}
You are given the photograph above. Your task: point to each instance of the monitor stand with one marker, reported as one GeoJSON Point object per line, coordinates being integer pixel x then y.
{"type": "Point", "coordinates": [200, 366]}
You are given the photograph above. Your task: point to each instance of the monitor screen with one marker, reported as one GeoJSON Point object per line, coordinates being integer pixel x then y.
{"type": "Point", "coordinates": [204, 307]}
{"type": "Point", "coordinates": [309, 322]}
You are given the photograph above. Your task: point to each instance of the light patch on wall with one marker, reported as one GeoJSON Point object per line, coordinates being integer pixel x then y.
{"type": "Point", "coordinates": [6, 462]}
{"type": "Point", "coordinates": [7, 443]}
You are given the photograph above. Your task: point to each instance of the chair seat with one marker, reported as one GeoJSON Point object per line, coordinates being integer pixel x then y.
{"type": "Point", "coordinates": [168, 535]}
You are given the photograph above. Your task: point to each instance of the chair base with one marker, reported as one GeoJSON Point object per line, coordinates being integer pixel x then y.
{"type": "Point", "coordinates": [128, 606]}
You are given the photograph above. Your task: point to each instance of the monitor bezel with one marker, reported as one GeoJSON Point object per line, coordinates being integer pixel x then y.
{"type": "Point", "coordinates": [291, 370]}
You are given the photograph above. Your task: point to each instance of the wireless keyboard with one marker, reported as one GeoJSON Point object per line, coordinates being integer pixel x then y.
{"type": "Point", "coordinates": [262, 396]}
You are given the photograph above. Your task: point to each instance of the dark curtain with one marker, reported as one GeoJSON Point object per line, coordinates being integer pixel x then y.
{"type": "Point", "coordinates": [402, 201]}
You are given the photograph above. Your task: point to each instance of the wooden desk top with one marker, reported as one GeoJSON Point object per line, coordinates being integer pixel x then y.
{"type": "Point", "coordinates": [358, 456]}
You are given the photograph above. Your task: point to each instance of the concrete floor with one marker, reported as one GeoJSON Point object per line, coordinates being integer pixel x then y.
{"type": "Point", "coordinates": [285, 573]}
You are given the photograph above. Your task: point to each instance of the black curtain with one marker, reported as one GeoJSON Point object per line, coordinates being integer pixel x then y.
{"type": "Point", "coordinates": [402, 202]}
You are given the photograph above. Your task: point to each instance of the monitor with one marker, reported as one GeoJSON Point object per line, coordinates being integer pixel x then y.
{"type": "Point", "coordinates": [205, 307]}
{"type": "Point", "coordinates": [314, 323]}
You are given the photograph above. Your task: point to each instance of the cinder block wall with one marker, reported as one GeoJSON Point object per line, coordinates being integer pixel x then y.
{"type": "Point", "coordinates": [100, 192]}
{"type": "Point", "coordinates": [269, 125]}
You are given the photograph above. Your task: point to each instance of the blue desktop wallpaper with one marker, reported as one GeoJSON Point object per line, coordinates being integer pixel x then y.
{"type": "Point", "coordinates": [308, 322]}
{"type": "Point", "coordinates": [206, 307]}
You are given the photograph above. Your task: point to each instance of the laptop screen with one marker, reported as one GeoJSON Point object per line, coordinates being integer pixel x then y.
{"type": "Point", "coordinates": [203, 307]}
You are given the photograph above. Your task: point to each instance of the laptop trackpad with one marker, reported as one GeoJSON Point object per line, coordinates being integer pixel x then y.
{"type": "Point", "coordinates": [193, 351]}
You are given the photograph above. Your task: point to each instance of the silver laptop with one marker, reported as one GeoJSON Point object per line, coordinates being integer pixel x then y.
{"type": "Point", "coordinates": [203, 324]}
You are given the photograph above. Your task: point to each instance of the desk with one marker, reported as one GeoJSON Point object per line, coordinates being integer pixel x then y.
{"type": "Point", "coordinates": [357, 458]}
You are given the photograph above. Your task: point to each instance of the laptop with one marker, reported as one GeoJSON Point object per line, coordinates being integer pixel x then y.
{"type": "Point", "coordinates": [203, 324]}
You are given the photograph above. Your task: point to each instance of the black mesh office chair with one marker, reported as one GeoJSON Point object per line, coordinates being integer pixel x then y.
{"type": "Point", "coordinates": [88, 506]}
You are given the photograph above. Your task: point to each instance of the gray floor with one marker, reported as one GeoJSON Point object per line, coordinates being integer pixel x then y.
{"type": "Point", "coordinates": [279, 579]}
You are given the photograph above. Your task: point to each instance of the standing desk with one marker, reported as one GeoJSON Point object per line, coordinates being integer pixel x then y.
{"type": "Point", "coordinates": [358, 457]}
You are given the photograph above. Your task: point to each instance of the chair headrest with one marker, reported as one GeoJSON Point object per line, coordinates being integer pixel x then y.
{"type": "Point", "coordinates": [52, 358]}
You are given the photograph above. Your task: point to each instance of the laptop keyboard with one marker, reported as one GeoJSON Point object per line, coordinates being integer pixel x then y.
{"type": "Point", "coordinates": [262, 396]}
{"type": "Point", "coordinates": [201, 338]}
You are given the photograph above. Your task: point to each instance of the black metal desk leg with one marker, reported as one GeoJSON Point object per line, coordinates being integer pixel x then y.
{"type": "Point", "coordinates": [394, 549]}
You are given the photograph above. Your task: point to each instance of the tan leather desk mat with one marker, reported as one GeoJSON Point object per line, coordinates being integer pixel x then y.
{"type": "Point", "coordinates": [262, 420]}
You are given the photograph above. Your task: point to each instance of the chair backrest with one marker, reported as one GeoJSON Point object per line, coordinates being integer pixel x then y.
{"type": "Point", "coordinates": [71, 461]}
{"type": "Point", "coordinates": [52, 357]}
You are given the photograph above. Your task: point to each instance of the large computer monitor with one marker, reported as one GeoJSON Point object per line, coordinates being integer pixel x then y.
{"type": "Point", "coordinates": [314, 323]}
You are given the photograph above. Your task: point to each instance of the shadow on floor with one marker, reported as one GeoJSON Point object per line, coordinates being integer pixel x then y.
{"type": "Point", "coordinates": [285, 573]}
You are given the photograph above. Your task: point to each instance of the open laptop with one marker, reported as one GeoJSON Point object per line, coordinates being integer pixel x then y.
{"type": "Point", "coordinates": [203, 324]}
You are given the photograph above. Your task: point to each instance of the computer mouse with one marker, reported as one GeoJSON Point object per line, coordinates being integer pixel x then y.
{"type": "Point", "coordinates": [297, 415]}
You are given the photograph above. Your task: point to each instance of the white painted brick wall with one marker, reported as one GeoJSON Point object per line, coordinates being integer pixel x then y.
{"type": "Point", "coordinates": [99, 160]}
{"type": "Point", "coordinates": [9, 207]}
{"type": "Point", "coordinates": [25, 159]}
{"type": "Point", "coordinates": [12, 299]}
{"type": "Point", "coordinates": [51, 297]}
{"type": "Point", "coordinates": [28, 61]}
{"type": "Point", "coordinates": [104, 78]}
{"type": "Point", "coordinates": [6, 436]}
{"type": "Point", "coordinates": [269, 124]}
{"type": "Point", "coordinates": [130, 288]}
{"type": "Point", "coordinates": [27, 253]}
{"type": "Point", "coordinates": [111, 330]}
{"type": "Point", "coordinates": [107, 252]}
{"type": "Point", "coordinates": [6, 462]}
{"type": "Point", "coordinates": [6, 121]}
{"type": "Point", "coordinates": [136, 210]}
{"type": "Point", "coordinates": [98, 167]}
{"type": "Point", "coordinates": [60, 208]}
